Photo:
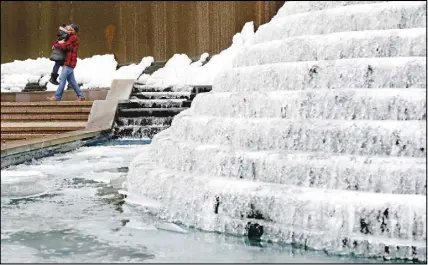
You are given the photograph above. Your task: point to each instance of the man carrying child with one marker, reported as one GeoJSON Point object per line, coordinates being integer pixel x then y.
{"type": "Point", "coordinates": [69, 47]}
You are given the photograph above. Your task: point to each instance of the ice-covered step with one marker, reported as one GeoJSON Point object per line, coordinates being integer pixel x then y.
{"type": "Point", "coordinates": [196, 89]}
{"type": "Point", "coordinates": [296, 7]}
{"type": "Point", "coordinates": [349, 104]}
{"type": "Point", "coordinates": [394, 72]}
{"type": "Point", "coordinates": [160, 95]}
{"type": "Point", "coordinates": [143, 121]}
{"type": "Point", "coordinates": [138, 87]}
{"type": "Point", "coordinates": [378, 16]}
{"type": "Point", "coordinates": [330, 243]}
{"type": "Point", "coordinates": [196, 199]}
{"type": "Point", "coordinates": [148, 112]}
{"type": "Point", "coordinates": [322, 170]}
{"type": "Point", "coordinates": [139, 131]}
{"type": "Point", "coordinates": [200, 213]}
{"type": "Point", "coordinates": [342, 45]}
{"type": "Point", "coordinates": [357, 137]}
{"type": "Point", "coordinates": [154, 103]}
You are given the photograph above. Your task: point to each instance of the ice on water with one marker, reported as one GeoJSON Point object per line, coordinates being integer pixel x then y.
{"type": "Point", "coordinates": [318, 128]}
{"type": "Point", "coordinates": [22, 183]}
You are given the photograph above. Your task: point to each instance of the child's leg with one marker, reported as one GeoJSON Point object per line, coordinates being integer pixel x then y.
{"type": "Point", "coordinates": [56, 67]}
{"type": "Point", "coordinates": [54, 74]}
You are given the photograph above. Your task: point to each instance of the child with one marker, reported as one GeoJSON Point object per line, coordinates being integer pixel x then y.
{"type": "Point", "coordinates": [57, 55]}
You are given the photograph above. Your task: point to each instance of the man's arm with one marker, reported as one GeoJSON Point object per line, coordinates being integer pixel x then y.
{"type": "Point", "coordinates": [66, 46]}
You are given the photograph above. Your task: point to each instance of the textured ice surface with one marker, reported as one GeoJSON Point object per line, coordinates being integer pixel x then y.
{"type": "Point", "coordinates": [342, 45]}
{"type": "Point", "coordinates": [377, 16]}
{"type": "Point", "coordinates": [361, 137]}
{"type": "Point", "coordinates": [350, 104]}
{"type": "Point", "coordinates": [294, 7]}
{"type": "Point", "coordinates": [348, 172]}
{"type": "Point", "coordinates": [392, 72]}
{"type": "Point", "coordinates": [22, 183]}
{"type": "Point", "coordinates": [317, 132]}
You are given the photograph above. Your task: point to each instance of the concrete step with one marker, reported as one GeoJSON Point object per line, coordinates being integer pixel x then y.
{"type": "Point", "coordinates": [23, 136]}
{"type": "Point", "coordinates": [47, 104]}
{"type": "Point", "coordinates": [14, 117]}
{"type": "Point", "coordinates": [147, 112]}
{"type": "Point", "coordinates": [160, 95]}
{"type": "Point", "coordinates": [34, 110]}
{"type": "Point", "coordinates": [153, 103]}
{"type": "Point", "coordinates": [41, 127]}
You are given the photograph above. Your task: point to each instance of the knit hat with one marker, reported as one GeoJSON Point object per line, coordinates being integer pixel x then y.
{"type": "Point", "coordinates": [75, 27]}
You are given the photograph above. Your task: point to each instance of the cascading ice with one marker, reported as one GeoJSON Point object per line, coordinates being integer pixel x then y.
{"type": "Point", "coordinates": [317, 134]}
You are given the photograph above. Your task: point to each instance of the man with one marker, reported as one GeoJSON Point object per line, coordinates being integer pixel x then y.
{"type": "Point", "coordinates": [70, 47]}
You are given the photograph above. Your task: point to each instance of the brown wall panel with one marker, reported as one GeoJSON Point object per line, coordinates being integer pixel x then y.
{"type": "Point", "coordinates": [128, 29]}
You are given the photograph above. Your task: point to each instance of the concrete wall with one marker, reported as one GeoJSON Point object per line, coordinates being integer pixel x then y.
{"type": "Point", "coordinates": [128, 29]}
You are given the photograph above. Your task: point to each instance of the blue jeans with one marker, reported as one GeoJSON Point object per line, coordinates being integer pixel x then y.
{"type": "Point", "coordinates": [67, 74]}
{"type": "Point", "coordinates": [56, 66]}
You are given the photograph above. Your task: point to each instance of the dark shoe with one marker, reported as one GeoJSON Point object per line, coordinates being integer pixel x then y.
{"type": "Point", "coordinates": [80, 99]}
{"type": "Point", "coordinates": [53, 79]}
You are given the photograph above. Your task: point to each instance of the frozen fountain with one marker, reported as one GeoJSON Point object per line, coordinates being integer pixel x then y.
{"type": "Point", "coordinates": [317, 135]}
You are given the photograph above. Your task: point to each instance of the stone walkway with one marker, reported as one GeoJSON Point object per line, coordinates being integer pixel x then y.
{"type": "Point", "coordinates": [43, 124]}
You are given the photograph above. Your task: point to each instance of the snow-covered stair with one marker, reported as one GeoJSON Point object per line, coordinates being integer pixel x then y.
{"type": "Point", "coordinates": [150, 110]}
{"type": "Point", "coordinates": [316, 137]}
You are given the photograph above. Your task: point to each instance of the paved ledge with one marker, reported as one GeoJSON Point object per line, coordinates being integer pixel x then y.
{"type": "Point", "coordinates": [47, 104]}
{"type": "Point", "coordinates": [48, 125]}
{"type": "Point", "coordinates": [29, 145]}
{"type": "Point", "coordinates": [17, 152]}
{"type": "Point", "coordinates": [69, 95]}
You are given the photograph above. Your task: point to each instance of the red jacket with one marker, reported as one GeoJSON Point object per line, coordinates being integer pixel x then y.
{"type": "Point", "coordinates": [70, 47]}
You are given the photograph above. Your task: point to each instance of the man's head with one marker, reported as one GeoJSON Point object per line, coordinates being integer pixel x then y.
{"type": "Point", "coordinates": [73, 27]}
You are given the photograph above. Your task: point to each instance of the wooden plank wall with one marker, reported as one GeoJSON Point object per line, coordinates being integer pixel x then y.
{"type": "Point", "coordinates": [128, 29]}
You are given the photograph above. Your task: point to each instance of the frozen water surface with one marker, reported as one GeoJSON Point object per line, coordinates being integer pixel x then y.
{"type": "Point", "coordinates": [82, 217]}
